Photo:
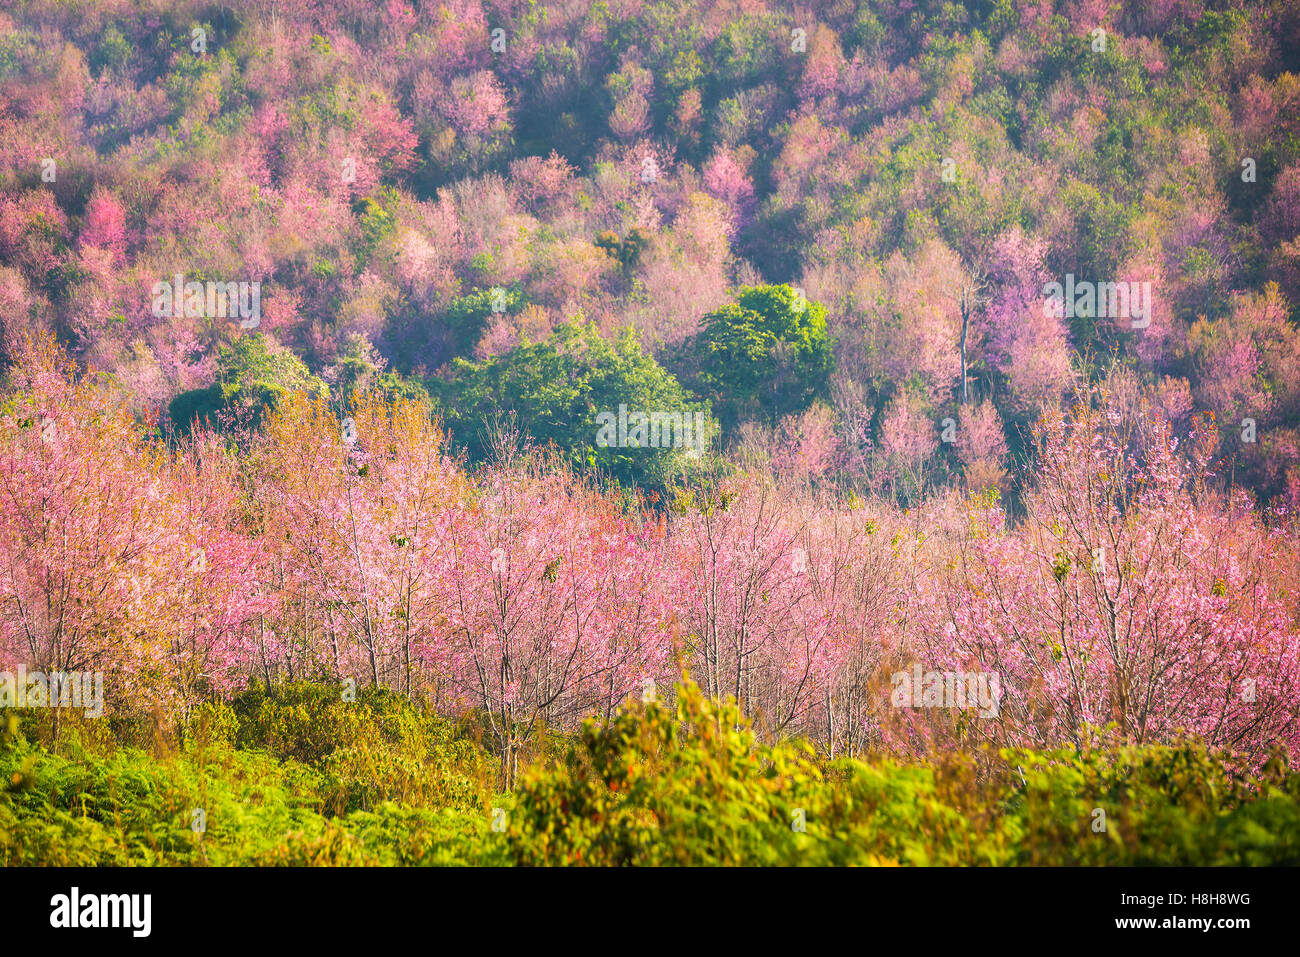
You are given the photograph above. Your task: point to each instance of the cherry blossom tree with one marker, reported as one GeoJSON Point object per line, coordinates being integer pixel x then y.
{"type": "Point", "coordinates": [1122, 600]}
{"type": "Point", "coordinates": [116, 556]}
{"type": "Point", "coordinates": [555, 605]}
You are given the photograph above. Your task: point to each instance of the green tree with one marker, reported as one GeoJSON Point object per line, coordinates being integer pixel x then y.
{"type": "Point", "coordinates": [467, 316]}
{"type": "Point", "coordinates": [359, 370]}
{"type": "Point", "coordinates": [557, 391]}
{"type": "Point", "coordinates": [253, 372]}
{"type": "Point", "coordinates": [768, 354]}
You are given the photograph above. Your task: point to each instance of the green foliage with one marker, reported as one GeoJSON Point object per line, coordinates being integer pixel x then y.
{"type": "Point", "coordinates": [358, 371]}
{"type": "Point", "coordinates": [768, 354]}
{"type": "Point", "coordinates": [626, 250]}
{"type": "Point", "coordinates": [558, 388]}
{"type": "Point", "coordinates": [1163, 805]}
{"type": "Point", "coordinates": [296, 776]}
{"type": "Point", "coordinates": [657, 787]}
{"type": "Point", "coordinates": [654, 786]}
{"type": "Point", "coordinates": [375, 749]}
{"type": "Point", "coordinates": [378, 221]}
{"type": "Point", "coordinates": [465, 318]}
{"type": "Point", "coordinates": [113, 52]}
{"type": "Point", "coordinates": [253, 373]}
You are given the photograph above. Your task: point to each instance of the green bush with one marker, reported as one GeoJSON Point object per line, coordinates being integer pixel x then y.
{"type": "Point", "coordinates": [558, 390]}
{"type": "Point", "coordinates": [693, 787]}
{"type": "Point", "coordinates": [767, 355]}
{"type": "Point", "coordinates": [299, 777]}
{"type": "Point", "coordinates": [375, 749]}
{"type": "Point", "coordinates": [275, 776]}
{"type": "Point", "coordinates": [253, 374]}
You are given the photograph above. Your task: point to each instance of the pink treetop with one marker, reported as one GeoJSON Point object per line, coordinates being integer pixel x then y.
{"type": "Point", "coordinates": [555, 605]}
{"type": "Point", "coordinates": [727, 180]}
{"type": "Point", "coordinates": [476, 105]}
{"type": "Point", "coordinates": [979, 435]}
{"type": "Point", "coordinates": [113, 555]}
{"type": "Point", "coordinates": [1024, 340]}
{"type": "Point", "coordinates": [907, 435]}
{"type": "Point", "coordinates": [105, 224]}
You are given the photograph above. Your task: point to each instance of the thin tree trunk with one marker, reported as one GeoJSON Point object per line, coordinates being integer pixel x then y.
{"type": "Point", "coordinates": [965, 325]}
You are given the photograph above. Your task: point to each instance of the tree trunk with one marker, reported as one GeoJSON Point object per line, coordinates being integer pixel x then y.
{"type": "Point", "coordinates": [965, 325]}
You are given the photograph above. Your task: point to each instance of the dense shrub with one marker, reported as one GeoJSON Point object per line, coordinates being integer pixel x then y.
{"type": "Point", "coordinates": [556, 391]}
{"type": "Point", "coordinates": [375, 749]}
{"type": "Point", "coordinates": [655, 786]}
{"type": "Point", "coordinates": [687, 784]}
{"type": "Point", "coordinates": [768, 354]}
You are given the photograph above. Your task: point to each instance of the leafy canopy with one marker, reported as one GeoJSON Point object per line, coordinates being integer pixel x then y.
{"type": "Point", "coordinates": [253, 374]}
{"type": "Point", "coordinates": [768, 354]}
{"type": "Point", "coordinates": [557, 388]}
